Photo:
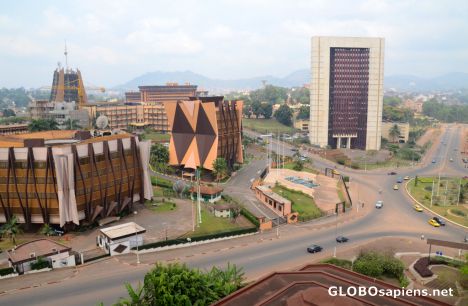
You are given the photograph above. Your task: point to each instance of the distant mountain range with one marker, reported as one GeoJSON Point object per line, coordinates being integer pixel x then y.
{"type": "Point", "coordinates": [448, 81]}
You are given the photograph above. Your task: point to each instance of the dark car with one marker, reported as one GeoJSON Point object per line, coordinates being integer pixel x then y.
{"type": "Point", "coordinates": [341, 239]}
{"type": "Point", "coordinates": [400, 180]}
{"type": "Point", "coordinates": [433, 161]}
{"type": "Point", "coordinates": [314, 248]}
{"type": "Point", "coordinates": [439, 220]}
{"type": "Point", "coordinates": [392, 173]}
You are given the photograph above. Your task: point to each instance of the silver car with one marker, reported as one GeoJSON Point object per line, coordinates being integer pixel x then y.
{"type": "Point", "coordinates": [379, 204]}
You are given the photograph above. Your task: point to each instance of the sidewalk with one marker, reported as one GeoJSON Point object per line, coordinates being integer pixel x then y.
{"type": "Point", "coordinates": [36, 280]}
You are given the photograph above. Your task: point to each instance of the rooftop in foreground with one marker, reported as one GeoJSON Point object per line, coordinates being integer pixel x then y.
{"type": "Point", "coordinates": [55, 137]}
{"type": "Point", "coordinates": [309, 286]}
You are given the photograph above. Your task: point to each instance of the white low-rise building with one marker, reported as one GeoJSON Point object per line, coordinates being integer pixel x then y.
{"type": "Point", "coordinates": [120, 239]}
{"type": "Point", "coordinates": [24, 255]}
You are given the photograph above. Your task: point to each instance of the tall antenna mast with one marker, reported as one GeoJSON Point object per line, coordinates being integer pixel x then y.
{"type": "Point", "coordinates": [66, 55]}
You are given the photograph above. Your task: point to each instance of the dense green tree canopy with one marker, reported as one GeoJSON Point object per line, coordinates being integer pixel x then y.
{"type": "Point", "coordinates": [284, 115]}
{"type": "Point", "coordinates": [176, 284]}
{"type": "Point", "coordinates": [42, 125]}
{"type": "Point", "coordinates": [392, 101]}
{"type": "Point", "coordinates": [446, 113]}
{"type": "Point", "coordinates": [267, 110]}
{"type": "Point", "coordinates": [271, 94]}
{"type": "Point", "coordinates": [396, 114]}
{"type": "Point", "coordinates": [17, 95]}
{"type": "Point", "coordinates": [304, 113]}
{"type": "Point", "coordinates": [300, 95]}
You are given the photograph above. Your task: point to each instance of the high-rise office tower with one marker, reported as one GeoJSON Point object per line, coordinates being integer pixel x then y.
{"type": "Point", "coordinates": [347, 92]}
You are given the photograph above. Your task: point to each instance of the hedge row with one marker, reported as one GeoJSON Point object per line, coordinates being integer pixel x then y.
{"type": "Point", "coordinates": [422, 267]}
{"type": "Point", "coordinates": [440, 260]}
{"type": "Point", "coordinates": [249, 216]}
{"type": "Point", "coordinates": [161, 182]}
{"type": "Point", "coordinates": [344, 263]}
{"type": "Point", "coordinates": [6, 271]}
{"type": "Point", "coordinates": [196, 238]}
{"type": "Point", "coordinates": [95, 258]}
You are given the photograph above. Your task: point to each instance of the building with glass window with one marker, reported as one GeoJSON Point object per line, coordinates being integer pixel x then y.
{"type": "Point", "coordinates": [346, 97]}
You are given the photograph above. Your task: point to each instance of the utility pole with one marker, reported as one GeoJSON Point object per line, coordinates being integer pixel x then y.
{"type": "Point", "coordinates": [198, 198]}
{"type": "Point", "coordinates": [336, 230]}
{"type": "Point", "coordinates": [438, 185]}
{"type": "Point", "coordinates": [432, 191]}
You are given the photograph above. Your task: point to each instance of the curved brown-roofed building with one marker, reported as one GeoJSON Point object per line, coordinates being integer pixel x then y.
{"type": "Point", "coordinates": [65, 177]}
{"type": "Point", "coordinates": [309, 286]}
{"type": "Point", "coordinates": [203, 129]}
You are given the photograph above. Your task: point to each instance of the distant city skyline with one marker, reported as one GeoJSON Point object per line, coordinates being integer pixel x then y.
{"type": "Point", "coordinates": [112, 42]}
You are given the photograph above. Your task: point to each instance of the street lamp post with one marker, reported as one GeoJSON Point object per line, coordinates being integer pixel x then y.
{"type": "Point", "coordinates": [136, 238]}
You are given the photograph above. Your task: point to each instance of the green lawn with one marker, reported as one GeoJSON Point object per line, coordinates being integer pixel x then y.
{"type": "Point", "coordinates": [391, 163]}
{"type": "Point", "coordinates": [211, 224]}
{"type": "Point", "coordinates": [267, 126]}
{"type": "Point", "coordinates": [156, 137]}
{"type": "Point", "coordinates": [161, 207]}
{"type": "Point", "coordinates": [301, 202]}
{"type": "Point", "coordinates": [445, 203]}
{"type": "Point", "coordinates": [306, 168]}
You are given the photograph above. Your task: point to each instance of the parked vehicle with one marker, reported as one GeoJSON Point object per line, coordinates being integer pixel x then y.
{"type": "Point", "coordinates": [395, 187]}
{"type": "Point", "coordinates": [336, 172]}
{"type": "Point", "coordinates": [399, 180]}
{"type": "Point", "coordinates": [433, 161]}
{"type": "Point", "coordinates": [434, 223]}
{"type": "Point", "coordinates": [314, 248]}
{"type": "Point", "coordinates": [379, 204]}
{"type": "Point", "coordinates": [406, 178]}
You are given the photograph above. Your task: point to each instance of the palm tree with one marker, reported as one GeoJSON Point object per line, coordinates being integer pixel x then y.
{"type": "Point", "coordinates": [11, 229]}
{"type": "Point", "coordinates": [394, 132]}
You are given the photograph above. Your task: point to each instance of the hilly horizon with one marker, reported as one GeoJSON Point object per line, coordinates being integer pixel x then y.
{"type": "Point", "coordinates": [449, 81]}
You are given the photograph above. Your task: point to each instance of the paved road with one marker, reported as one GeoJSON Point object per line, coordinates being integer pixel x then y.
{"type": "Point", "coordinates": [104, 281]}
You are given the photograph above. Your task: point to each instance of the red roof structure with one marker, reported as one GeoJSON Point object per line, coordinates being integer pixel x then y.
{"type": "Point", "coordinates": [309, 286]}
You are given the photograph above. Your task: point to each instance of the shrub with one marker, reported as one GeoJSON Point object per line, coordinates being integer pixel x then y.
{"type": "Point", "coordinates": [354, 165]}
{"type": "Point", "coordinates": [346, 178]}
{"type": "Point", "coordinates": [6, 271]}
{"type": "Point", "coordinates": [403, 280]}
{"type": "Point", "coordinates": [428, 188]}
{"type": "Point", "coordinates": [458, 212]}
{"type": "Point", "coordinates": [41, 263]}
{"type": "Point", "coordinates": [369, 264]}
{"type": "Point", "coordinates": [393, 266]}
{"type": "Point", "coordinates": [422, 267]}
{"type": "Point", "coordinates": [161, 182]}
{"type": "Point", "coordinates": [249, 216]}
{"type": "Point", "coordinates": [340, 161]}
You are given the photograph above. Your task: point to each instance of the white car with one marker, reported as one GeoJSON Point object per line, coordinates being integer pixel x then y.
{"type": "Point", "coordinates": [379, 204]}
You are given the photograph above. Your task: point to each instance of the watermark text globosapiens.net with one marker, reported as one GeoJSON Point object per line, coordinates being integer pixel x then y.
{"type": "Point", "coordinates": [395, 293]}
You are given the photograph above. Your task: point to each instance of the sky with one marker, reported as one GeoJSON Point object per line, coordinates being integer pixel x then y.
{"type": "Point", "coordinates": [113, 41]}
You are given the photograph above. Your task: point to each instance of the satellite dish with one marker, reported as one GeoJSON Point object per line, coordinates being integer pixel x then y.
{"type": "Point", "coordinates": [102, 122]}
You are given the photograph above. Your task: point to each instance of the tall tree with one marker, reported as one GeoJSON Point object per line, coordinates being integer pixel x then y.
{"type": "Point", "coordinates": [220, 168]}
{"type": "Point", "coordinates": [11, 229]}
{"type": "Point", "coordinates": [267, 110]}
{"type": "Point", "coordinates": [284, 115]}
{"type": "Point", "coordinates": [159, 156]}
{"type": "Point", "coordinates": [394, 132]}
{"type": "Point", "coordinates": [176, 284]}
{"type": "Point", "coordinates": [257, 108]}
